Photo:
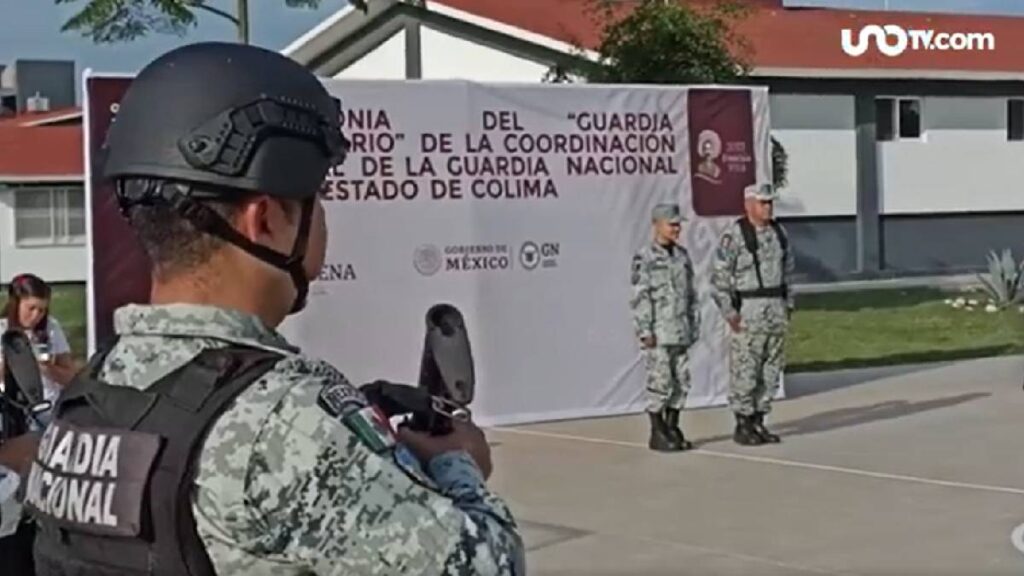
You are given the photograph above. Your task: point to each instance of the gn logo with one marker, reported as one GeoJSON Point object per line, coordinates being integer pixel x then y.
{"type": "Point", "coordinates": [532, 255]}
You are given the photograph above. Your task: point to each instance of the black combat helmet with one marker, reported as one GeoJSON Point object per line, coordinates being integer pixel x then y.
{"type": "Point", "coordinates": [225, 120]}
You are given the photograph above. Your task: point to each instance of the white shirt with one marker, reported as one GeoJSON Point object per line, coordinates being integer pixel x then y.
{"type": "Point", "coordinates": [58, 345]}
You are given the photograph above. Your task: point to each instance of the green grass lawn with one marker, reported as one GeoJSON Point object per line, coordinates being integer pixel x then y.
{"type": "Point", "coordinates": [829, 331]}
{"type": "Point", "coordinates": [68, 306]}
{"type": "Point", "coordinates": [884, 327]}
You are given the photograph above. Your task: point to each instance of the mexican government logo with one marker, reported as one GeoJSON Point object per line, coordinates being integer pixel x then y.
{"type": "Point", "coordinates": [430, 259]}
{"type": "Point", "coordinates": [427, 259]}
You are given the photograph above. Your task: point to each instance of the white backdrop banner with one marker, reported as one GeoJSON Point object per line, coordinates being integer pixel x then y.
{"type": "Point", "coordinates": [522, 205]}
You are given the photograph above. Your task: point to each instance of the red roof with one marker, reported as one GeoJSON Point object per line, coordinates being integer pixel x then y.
{"type": "Point", "coordinates": [41, 152]}
{"type": "Point", "coordinates": [806, 38]}
{"type": "Point", "coordinates": [41, 118]}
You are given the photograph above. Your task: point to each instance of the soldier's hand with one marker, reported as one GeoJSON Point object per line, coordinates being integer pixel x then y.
{"type": "Point", "coordinates": [465, 436]}
{"type": "Point", "coordinates": [734, 322]}
{"type": "Point", "coordinates": [649, 341]}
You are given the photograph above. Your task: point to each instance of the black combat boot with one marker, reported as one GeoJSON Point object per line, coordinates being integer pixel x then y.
{"type": "Point", "coordinates": [661, 439]}
{"type": "Point", "coordinates": [676, 433]}
{"type": "Point", "coordinates": [764, 433]}
{"type": "Point", "coordinates": [745, 434]}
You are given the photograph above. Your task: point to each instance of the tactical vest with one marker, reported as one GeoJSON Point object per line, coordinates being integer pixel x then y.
{"type": "Point", "coordinates": [111, 487]}
{"type": "Point", "coordinates": [750, 241]}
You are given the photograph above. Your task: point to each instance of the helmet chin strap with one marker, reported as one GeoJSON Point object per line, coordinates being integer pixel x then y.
{"type": "Point", "coordinates": [210, 222]}
{"type": "Point", "coordinates": [295, 268]}
{"type": "Point", "coordinates": [207, 220]}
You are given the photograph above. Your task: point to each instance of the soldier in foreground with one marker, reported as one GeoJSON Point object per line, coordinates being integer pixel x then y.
{"type": "Point", "coordinates": [751, 277]}
{"type": "Point", "coordinates": [666, 321]}
{"type": "Point", "coordinates": [219, 152]}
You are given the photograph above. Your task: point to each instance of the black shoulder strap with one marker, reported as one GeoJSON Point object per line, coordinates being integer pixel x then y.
{"type": "Point", "coordinates": [191, 400]}
{"type": "Point", "coordinates": [86, 381]}
{"type": "Point", "coordinates": [750, 239]}
{"type": "Point", "coordinates": [749, 235]}
{"type": "Point", "coordinates": [783, 241]}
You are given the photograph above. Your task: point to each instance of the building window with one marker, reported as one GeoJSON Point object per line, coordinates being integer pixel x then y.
{"type": "Point", "coordinates": [49, 216]}
{"type": "Point", "coordinates": [1015, 120]}
{"type": "Point", "coordinates": [910, 118]}
{"type": "Point", "coordinates": [898, 118]}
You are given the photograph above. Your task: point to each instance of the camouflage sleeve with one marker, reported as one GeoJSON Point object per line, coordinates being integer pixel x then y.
{"type": "Point", "coordinates": [10, 507]}
{"type": "Point", "coordinates": [692, 299]}
{"type": "Point", "coordinates": [640, 299]}
{"type": "Point", "coordinates": [788, 268]}
{"type": "Point", "coordinates": [723, 273]}
{"type": "Point", "coordinates": [327, 499]}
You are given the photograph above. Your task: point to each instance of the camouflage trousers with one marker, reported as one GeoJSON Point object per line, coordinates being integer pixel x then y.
{"type": "Point", "coordinates": [756, 362]}
{"type": "Point", "coordinates": [668, 377]}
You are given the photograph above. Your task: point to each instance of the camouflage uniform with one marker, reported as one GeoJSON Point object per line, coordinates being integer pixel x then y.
{"type": "Point", "coordinates": [284, 488]}
{"type": "Point", "coordinates": [664, 306]}
{"type": "Point", "coordinates": [10, 507]}
{"type": "Point", "coordinates": [757, 350]}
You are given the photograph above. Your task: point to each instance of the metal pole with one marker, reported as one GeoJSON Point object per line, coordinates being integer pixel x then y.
{"type": "Point", "coordinates": [243, 21]}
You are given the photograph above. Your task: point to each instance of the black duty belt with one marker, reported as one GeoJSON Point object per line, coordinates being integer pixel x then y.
{"type": "Point", "coordinates": [772, 292]}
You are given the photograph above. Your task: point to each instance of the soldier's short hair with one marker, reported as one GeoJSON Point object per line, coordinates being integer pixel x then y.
{"type": "Point", "coordinates": [173, 244]}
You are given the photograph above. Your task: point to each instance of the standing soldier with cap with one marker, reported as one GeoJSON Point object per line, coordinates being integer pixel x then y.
{"type": "Point", "coordinates": [204, 441]}
{"type": "Point", "coordinates": [750, 279]}
{"type": "Point", "coordinates": [666, 321]}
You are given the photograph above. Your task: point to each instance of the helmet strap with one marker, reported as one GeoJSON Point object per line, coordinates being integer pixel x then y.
{"type": "Point", "coordinates": [209, 221]}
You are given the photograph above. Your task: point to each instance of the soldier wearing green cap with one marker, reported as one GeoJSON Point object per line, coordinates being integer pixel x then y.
{"type": "Point", "coordinates": [751, 277]}
{"type": "Point", "coordinates": [666, 322]}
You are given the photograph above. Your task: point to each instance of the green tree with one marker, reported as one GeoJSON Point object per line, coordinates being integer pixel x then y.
{"type": "Point", "coordinates": [668, 42]}
{"type": "Point", "coordinates": [110, 21]}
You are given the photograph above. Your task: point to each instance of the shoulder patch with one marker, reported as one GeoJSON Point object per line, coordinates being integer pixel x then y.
{"type": "Point", "coordinates": [340, 398]}
{"type": "Point", "coordinates": [638, 263]}
{"type": "Point", "coordinates": [371, 426]}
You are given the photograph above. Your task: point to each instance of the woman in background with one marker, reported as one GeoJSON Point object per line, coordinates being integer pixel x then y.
{"type": "Point", "coordinates": [28, 309]}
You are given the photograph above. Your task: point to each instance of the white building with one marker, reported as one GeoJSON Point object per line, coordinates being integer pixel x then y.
{"type": "Point", "coordinates": [42, 197]}
{"type": "Point", "coordinates": [898, 165]}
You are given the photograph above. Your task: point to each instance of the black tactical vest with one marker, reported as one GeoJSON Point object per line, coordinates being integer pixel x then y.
{"type": "Point", "coordinates": [111, 486]}
{"type": "Point", "coordinates": [750, 242]}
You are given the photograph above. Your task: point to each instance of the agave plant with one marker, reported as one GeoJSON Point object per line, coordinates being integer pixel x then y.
{"type": "Point", "coordinates": [1004, 283]}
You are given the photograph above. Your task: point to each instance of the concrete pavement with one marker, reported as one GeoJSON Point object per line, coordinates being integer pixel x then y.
{"type": "Point", "coordinates": [904, 470]}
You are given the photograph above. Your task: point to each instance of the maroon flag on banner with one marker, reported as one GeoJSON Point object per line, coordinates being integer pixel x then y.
{"type": "Point", "coordinates": [721, 132]}
{"type": "Point", "coordinates": [120, 269]}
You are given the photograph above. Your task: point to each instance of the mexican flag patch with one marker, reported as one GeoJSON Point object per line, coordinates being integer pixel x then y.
{"type": "Point", "coordinates": [372, 427]}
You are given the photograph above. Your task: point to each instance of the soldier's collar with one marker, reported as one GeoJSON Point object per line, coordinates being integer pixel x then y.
{"type": "Point", "coordinates": [196, 321]}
